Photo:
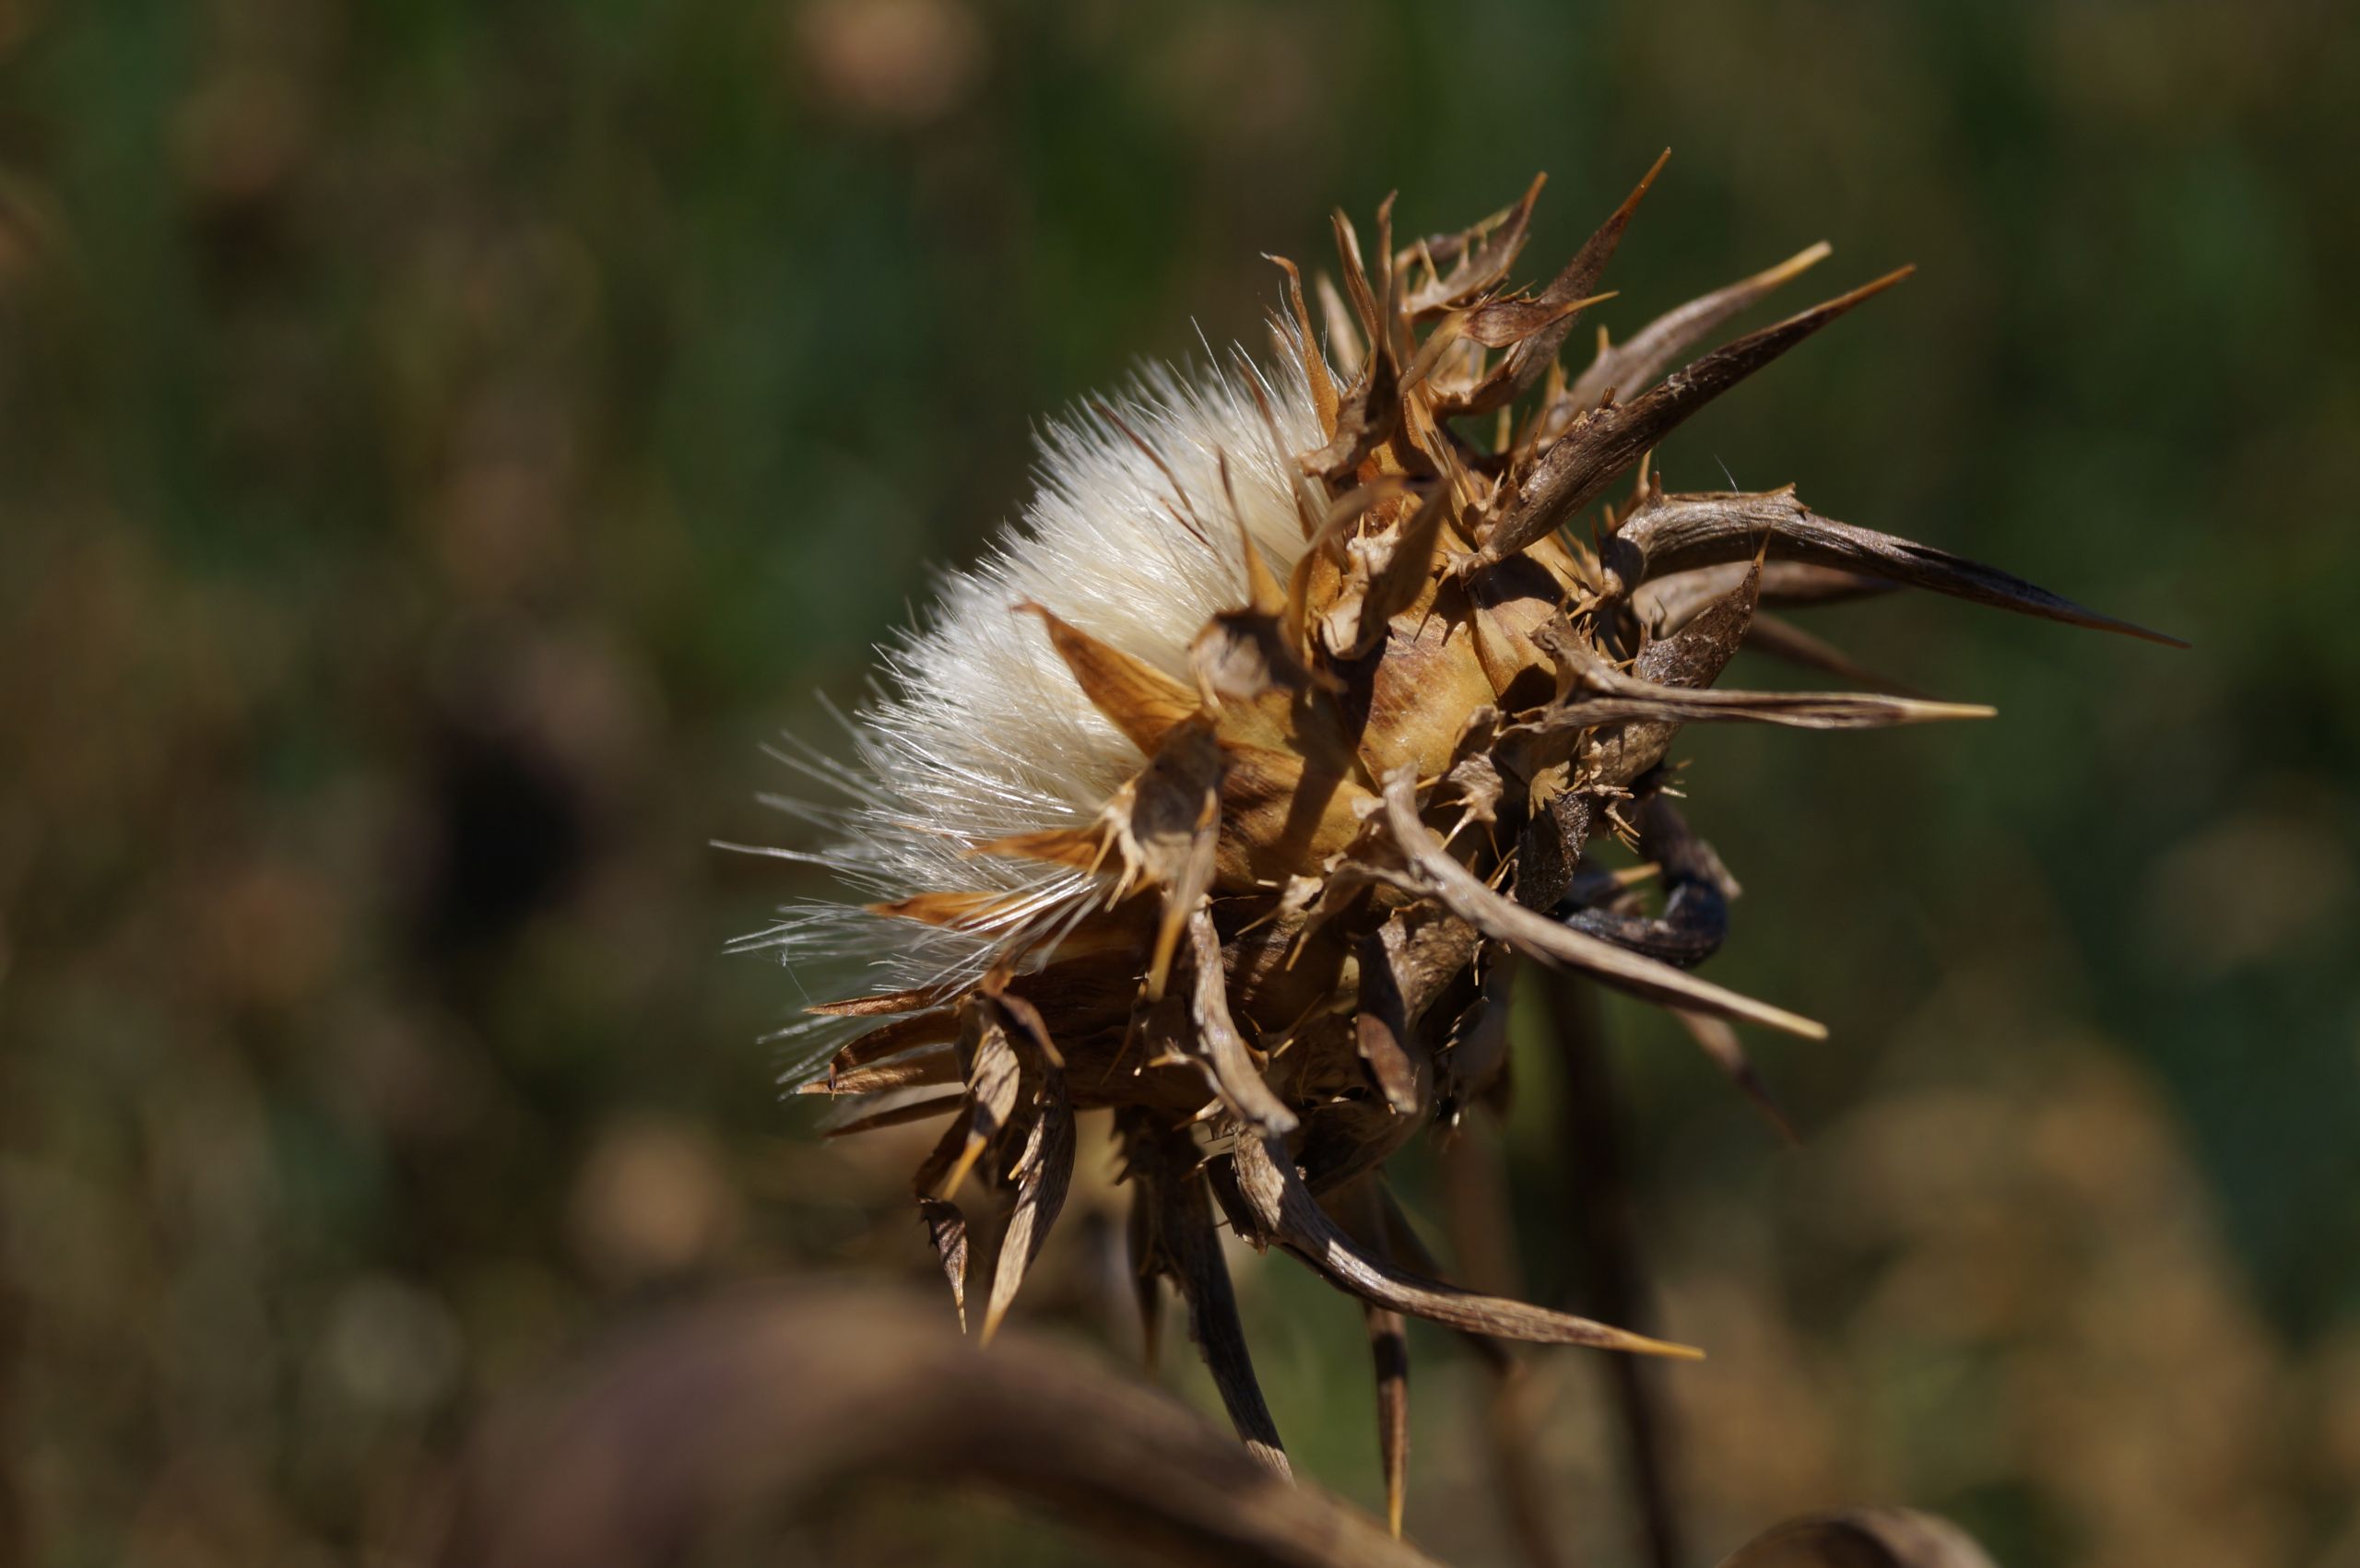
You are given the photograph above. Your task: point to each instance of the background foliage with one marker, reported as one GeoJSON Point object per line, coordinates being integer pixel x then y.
{"type": "Point", "coordinates": [443, 440]}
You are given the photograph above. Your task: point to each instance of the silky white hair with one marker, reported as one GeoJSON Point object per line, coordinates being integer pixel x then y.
{"type": "Point", "coordinates": [979, 732]}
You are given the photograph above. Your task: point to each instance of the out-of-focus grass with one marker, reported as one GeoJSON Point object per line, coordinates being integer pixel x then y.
{"type": "Point", "coordinates": [441, 441]}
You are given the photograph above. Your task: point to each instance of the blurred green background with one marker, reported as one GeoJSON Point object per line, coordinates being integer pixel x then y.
{"type": "Point", "coordinates": [440, 442]}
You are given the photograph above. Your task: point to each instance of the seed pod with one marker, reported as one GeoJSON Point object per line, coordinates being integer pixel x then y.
{"type": "Point", "coordinates": [1227, 791]}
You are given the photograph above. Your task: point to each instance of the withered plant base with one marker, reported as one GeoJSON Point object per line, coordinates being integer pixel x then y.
{"type": "Point", "coordinates": [1373, 788]}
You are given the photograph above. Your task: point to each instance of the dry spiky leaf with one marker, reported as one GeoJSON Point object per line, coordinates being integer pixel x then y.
{"type": "Point", "coordinates": [1651, 350]}
{"type": "Point", "coordinates": [1602, 446]}
{"type": "Point", "coordinates": [1532, 330]}
{"type": "Point", "coordinates": [1681, 533]}
{"type": "Point", "coordinates": [1270, 1196]}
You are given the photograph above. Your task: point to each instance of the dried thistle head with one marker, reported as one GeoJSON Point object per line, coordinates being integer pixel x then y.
{"type": "Point", "coordinates": [1231, 790]}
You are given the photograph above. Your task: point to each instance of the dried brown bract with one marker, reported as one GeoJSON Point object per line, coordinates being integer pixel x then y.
{"type": "Point", "coordinates": [1300, 745]}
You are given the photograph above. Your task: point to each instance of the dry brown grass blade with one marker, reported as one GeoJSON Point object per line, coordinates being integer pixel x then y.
{"type": "Point", "coordinates": [1185, 1247]}
{"type": "Point", "coordinates": [1275, 1199]}
{"type": "Point", "coordinates": [721, 1416]}
{"type": "Point", "coordinates": [1681, 533]}
{"type": "Point", "coordinates": [1234, 1075]}
{"type": "Point", "coordinates": [1589, 457]}
{"type": "Point", "coordinates": [1431, 873]}
{"type": "Point", "coordinates": [1865, 1537]}
{"type": "Point", "coordinates": [1650, 351]}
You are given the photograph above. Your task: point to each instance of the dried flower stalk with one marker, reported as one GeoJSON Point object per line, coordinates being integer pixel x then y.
{"type": "Point", "coordinates": [1299, 741]}
{"type": "Point", "coordinates": [772, 1402]}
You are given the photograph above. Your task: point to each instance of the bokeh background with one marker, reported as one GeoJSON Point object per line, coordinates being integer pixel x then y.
{"type": "Point", "coordinates": [440, 442]}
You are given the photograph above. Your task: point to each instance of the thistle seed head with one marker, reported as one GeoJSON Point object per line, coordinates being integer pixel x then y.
{"type": "Point", "coordinates": [1233, 787]}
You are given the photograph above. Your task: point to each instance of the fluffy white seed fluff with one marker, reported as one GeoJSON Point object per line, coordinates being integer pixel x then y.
{"type": "Point", "coordinates": [979, 732]}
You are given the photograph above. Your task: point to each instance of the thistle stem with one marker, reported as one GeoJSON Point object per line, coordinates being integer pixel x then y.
{"type": "Point", "coordinates": [1612, 1274]}
{"type": "Point", "coordinates": [1475, 1204]}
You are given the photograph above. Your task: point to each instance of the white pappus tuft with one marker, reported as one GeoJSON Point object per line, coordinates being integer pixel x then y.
{"type": "Point", "coordinates": [979, 731]}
